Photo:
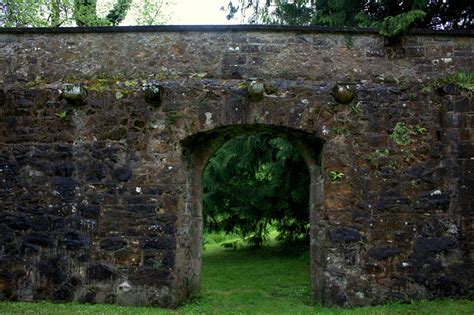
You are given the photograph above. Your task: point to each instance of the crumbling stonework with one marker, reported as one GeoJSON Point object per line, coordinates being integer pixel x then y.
{"type": "Point", "coordinates": [101, 198]}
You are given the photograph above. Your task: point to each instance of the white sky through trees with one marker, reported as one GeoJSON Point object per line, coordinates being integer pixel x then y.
{"type": "Point", "coordinates": [181, 12]}
{"type": "Point", "coordinates": [200, 12]}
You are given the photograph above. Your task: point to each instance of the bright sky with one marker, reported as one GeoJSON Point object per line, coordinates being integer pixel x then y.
{"type": "Point", "coordinates": [200, 12]}
{"type": "Point", "coordinates": [176, 12]}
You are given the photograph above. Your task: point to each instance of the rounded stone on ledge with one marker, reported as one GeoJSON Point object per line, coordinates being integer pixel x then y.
{"type": "Point", "coordinates": [255, 90]}
{"type": "Point", "coordinates": [153, 93]}
{"type": "Point", "coordinates": [344, 93]}
{"type": "Point", "coordinates": [74, 94]}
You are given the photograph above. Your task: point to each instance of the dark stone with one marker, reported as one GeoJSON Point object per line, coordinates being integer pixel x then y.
{"type": "Point", "coordinates": [433, 201]}
{"type": "Point", "coordinates": [160, 243]}
{"type": "Point", "coordinates": [66, 187]}
{"type": "Point", "coordinates": [95, 172]}
{"type": "Point", "coordinates": [142, 209]}
{"type": "Point", "coordinates": [64, 293]}
{"type": "Point", "coordinates": [53, 269]}
{"type": "Point", "coordinates": [89, 211]}
{"type": "Point", "coordinates": [18, 222]}
{"type": "Point", "coordinates": [432, 228]}
{"type": "Point", "coordinates": [40, 239]}
{"type": "Point", "coordinates": [466, 150]}
{"type": "Point", "coordinates": [151, 276]}
{"type": "Point", "coordinates": [40, 223]}
{"type": "Point", "coordinates": [345, 234]}
{"type": "Point", "coordinates": [122, 174]}
{"type": "Point", "coordinates": [29, 249]}
{"type": "Point", "coordinates": [100, 272]}
{"type": "Point", "coordinates": [136, 200]}
{"type": "Point", "coordinates": [88, 297]}
{"type": "Point", "coordinates": [397, 296]}
{"type": "Point", "coordinates": [445, 286]}
{"type": "Point", "coordinates": [2, 97]}
{"type": "Point", "coordinates": [169, 229]}
{"type": "Point", "coordinates": [382, 252]}
{"type": "Point", "coordinates": [10, 122]}
{"type": "Point", "coordinates": [446, 89]}
{"type": "Point", "coordinates": [425, 246]}
{"type": "Point", "coordinates": [113, 244]}
{"type": "Point", "coordinates": [64, 169]}
{"type": "Point", "coordinates": [168, 259]}
{"type": "Point", "coordinates": [72, 240]}
{"type": "Point", "coordinates": [391, 203]}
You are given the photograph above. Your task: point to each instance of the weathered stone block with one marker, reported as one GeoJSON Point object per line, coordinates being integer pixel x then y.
{"type": "Point", "coordinates": [345, 235]}
{"type": "Point", "coordinates": [113, 244]}
{"type": "Point", "coordinates": [100, 272]}
{"type": "Point", "coordinates": [425, 246]}
{"type": "Point", "coordinates": [382, 252]}
{"type": "Point", "coordinates": [73, 240]}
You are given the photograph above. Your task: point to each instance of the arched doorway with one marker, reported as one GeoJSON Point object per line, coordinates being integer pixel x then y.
{"type": "Point", "coordinates": [198, 148]}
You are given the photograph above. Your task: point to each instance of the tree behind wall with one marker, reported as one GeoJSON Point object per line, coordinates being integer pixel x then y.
{"type": "Point", "coordinates": [440, 14]}
{"type": "Point", "coordinates": [255, 182]}
{"type": "Point", "coordinates": [54, 13]}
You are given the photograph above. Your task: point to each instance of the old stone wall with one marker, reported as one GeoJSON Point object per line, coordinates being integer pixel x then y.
{"type": "Point", "coordinates": [100, 197]}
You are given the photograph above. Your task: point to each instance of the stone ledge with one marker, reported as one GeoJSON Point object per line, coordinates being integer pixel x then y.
{"type": "Point", "coordinates": [220, 28]}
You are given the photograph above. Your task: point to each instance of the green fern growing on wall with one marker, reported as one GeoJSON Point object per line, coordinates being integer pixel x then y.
{"type": "Point", "coordinates": [400, 134]}
{"type": "Point", "coordinates": [464, 80]}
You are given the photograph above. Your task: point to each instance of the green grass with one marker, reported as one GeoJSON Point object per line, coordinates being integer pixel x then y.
{"type": "Point", "coordinates": [271, 280]}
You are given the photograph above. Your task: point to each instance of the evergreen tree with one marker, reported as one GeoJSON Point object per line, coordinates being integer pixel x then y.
{"type": "Point", "coordinates": [254, 182]}
{"type": "Point", "coordinates": [439, 14]}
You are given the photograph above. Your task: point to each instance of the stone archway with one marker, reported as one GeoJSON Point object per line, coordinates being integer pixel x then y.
{"type": "Point", "coordinates": [198, 148]}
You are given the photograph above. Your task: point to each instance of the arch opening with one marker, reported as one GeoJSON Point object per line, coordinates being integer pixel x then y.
{"type": "Point", "coordinates": [256, 187]}
{"type": "Point", "coordinates": [199, 148]}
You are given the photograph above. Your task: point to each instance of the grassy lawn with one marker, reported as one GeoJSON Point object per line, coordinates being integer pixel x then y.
{"type": "Point", "coordinates": [271, 280]}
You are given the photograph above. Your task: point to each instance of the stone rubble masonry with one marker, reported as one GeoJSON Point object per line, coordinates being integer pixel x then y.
{"type": "Point", "coordinates": [100, 199]}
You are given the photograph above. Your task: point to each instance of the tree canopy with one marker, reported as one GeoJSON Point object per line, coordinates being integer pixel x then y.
{"type": "Point", "coordinates": [438, 14]}
{"type": "Point", "coordinates": [54, 13]}
{"type": "Point", "coordinates": [255, 182]}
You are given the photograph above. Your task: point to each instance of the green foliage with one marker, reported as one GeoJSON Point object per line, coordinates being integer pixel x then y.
{"type": "Point", "coordinates": [336, 176]}
{"type": "Point", "coordinates": [38, 13]}
{"type": "Point", "coordinates": [396, 15]}
{"type": "Point", "coordinates": [150, 12]}
{"type": "Point", "coordinates": [377, 154]}
{"type": "Point", "coordinates": [54, 13]}
{"type": "Point", "coordinates": [381, 153]}
{"type": "Point", "coordinates": [400, 134]}
{"type": "Point", "coordinates": [357, 108]}
{"type": "Point", "coordinates": [463, 80]}
{"type": "Point", "coordinates": [419, 130]}
{"type": "Point", "coordinates": [131, 83]}
{"type": "Point", "coordinates": [172, 117]}
{"type": "Point", "coordinates": [254, 182]}
{"type": "Point", "coordinates": [338, 13]}
{"type": "Point", "coordinates": [85, 13]}
{"type": "Point", "coordinates": [118, 95]}
{"type": "Point", "coordinates": [118, 12]}
{"type": "Point", "coordinates": [396, 26]}
{"type": "Point", "coordinates": [62, 115]}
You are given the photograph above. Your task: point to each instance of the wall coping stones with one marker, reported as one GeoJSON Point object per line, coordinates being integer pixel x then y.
{"type": "Point", "coordinates": [221, 28]}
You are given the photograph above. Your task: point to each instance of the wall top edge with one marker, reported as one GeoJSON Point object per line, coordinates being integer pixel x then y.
{"type": "Point", "coordinates": [221, 28]}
